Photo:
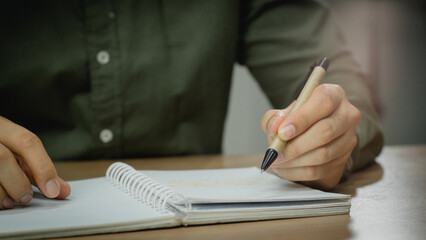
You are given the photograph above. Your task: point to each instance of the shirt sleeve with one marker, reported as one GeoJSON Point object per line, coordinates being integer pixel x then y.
{"type": "Point", "coordinates": [281, 39]}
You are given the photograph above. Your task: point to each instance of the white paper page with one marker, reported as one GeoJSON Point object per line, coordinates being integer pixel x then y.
{"type": "Point", "coordinates": [236, 185]}
{"type": "Point", "coordinates": [93, 203]}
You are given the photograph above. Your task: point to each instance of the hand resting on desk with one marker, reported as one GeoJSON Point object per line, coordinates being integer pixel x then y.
{"type": "Point", "coordinates": [24, 161]}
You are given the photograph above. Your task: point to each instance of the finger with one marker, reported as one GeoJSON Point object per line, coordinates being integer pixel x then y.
{"type": "Point", "coordinates": [64, 186]}
{"type": "Point", "coordinates": [272, 120]}
{"type": "Point", "coordinates": [324, 101]}
{"type": "Point", "coordinates": [13, 179]}
{"type": "Point", "coordinates": [333, 150]}
{"type": "Point", "coordinates": [28, 146]}
{"type": "Point", "coordinates": [320, 134]}
{"type": "Point", "coordinates": [332, 178]}
{"type": "Point", "coordinates": [332, 168]}
{"type": "Point", "coordinates": [268, 118]}
{"type": "Point", "coordinates": [26, 169]}
{"type": "Point", "coordinates": [65, 189]}
{"type": "Point", "coordinates": [5, 200]}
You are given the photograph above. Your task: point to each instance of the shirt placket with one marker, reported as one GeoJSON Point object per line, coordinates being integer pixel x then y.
{"type": "Point", "coordinates": [104, 71]}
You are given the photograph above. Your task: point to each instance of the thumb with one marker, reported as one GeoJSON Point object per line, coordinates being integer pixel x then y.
{"type": "Point", "coordinates": [57, 188]}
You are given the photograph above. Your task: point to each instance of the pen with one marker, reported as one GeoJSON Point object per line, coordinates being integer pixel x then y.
{"type": "Point", "coordinates": [314, 77]}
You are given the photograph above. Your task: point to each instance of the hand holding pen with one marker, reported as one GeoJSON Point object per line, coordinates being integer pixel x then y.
{"type": "Point", "coordinates": [315, 140]}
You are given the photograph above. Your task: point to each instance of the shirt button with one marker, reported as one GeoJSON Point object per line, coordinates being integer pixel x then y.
{"type": "Point", "coordinates": [106, 135]}
{"type": "Point", "coordinates": [102, 57]}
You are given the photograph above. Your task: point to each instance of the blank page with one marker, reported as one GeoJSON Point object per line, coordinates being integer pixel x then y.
{"type": "Point", "coordinates": [236, 185]}
{"type": "Point", "coordinates": [94, 206]}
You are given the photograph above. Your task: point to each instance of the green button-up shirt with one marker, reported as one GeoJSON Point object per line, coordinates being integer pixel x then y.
{"type": "Point", "coordinates": [107, 79]}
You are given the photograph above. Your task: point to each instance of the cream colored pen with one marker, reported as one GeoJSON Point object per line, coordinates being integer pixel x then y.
{"type": "Point", "coordinates": [313, 81]}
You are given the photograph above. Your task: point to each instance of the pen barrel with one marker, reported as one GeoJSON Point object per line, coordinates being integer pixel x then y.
{"type": "Point", "coordinates": [313, 81]}
{"type": "Point", "coordinates": [278, 144]}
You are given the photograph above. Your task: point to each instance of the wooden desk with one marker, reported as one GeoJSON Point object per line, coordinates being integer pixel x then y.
{"type": "Point", "coordinates": [388, 201]}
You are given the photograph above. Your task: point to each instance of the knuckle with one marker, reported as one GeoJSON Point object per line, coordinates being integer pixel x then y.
{"type": "Point", "coordinates": [356, 114]}
{"type": "Point", "coordinates": [334, 89]}
{"type": "Point", "coordinates": [326, 131]}
{"type": "Point", "coordinates": [327, 101]}
{"type": "Point", "coordinates": [338, 90]}
{"type": "Point", "coordinates": [322, 88]}
{"type": "Point", "coordinates": [330, 96]}
{"type": "Point", "coordinates": [323, 154]}
{"type": "Point", "coordinates": [43, 169]}
{"type": "Point", "coordinates": [28, 139]}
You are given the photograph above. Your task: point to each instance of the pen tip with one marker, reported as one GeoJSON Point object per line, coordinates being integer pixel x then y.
{"type": "Point", "coordinates": [270, 156]}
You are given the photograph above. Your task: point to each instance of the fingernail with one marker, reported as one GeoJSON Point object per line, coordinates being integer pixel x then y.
{"type": "Point", "coordinates": [8, 202]}
{"type": "Point", "coordinates": [26, 198]}
{"type": "Point", "coordinates": [288, 132]}
{"type": "Point", "coordinates": [52, 188]}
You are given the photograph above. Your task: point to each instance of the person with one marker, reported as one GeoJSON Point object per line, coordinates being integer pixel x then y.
{"type": "Point", "coordinates": [118, 79]}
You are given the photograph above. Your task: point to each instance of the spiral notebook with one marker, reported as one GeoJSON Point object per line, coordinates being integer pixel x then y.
{"type": "Point", "coordinates": [127, 199]}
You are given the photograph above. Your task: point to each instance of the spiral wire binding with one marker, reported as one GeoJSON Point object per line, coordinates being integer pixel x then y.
{"type": "Point", "coordinates": [143, 188]}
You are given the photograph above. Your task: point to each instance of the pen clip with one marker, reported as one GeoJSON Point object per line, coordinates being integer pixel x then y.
{"type": "Point", "coordinates": [302, 84]}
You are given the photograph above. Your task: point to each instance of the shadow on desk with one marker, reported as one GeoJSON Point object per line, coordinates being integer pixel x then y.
{"type": "Point", "coordinates": [367, 176]}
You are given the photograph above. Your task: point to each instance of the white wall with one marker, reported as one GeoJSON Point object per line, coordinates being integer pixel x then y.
{"type": "Point", "coordinates": [396, 32]}
{"type": "Point", "coordinates": [247, 105]}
